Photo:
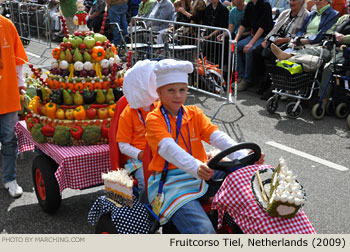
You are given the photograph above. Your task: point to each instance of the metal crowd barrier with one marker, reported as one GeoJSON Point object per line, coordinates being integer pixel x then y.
{"type": "Point", "coordinates": [32, 21]}
{"type": "Point", "coordinates": [212, 58]}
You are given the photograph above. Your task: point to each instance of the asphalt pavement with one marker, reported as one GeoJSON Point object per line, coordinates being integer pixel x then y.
{"type": "Point", "coordinates": [316, 151]}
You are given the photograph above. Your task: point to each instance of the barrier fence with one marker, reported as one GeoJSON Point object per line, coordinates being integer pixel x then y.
{"type": "Point", "coordinates": [210, 49]}
{"type": "Point", "coordinates": [32, 22]}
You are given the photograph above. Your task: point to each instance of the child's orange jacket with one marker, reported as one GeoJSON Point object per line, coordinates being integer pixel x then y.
{"type": "Point", "coordinates": [200, 128]}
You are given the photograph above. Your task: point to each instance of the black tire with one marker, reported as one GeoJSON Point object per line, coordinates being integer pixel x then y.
{"type": "Point", "coordinates": [341, 110]}
{"type": "Point", "coordinates": [272, 105]}
{"type": "Point", "coordinates": [45, 183]}
{"type": "Point", "coordinates": [105, 225]}
{"type": "Point", "coordinates": [318, 111]}
{"type": "Point", "coordinates": [293, 114]}
{"type": "Point", "coordinates": [25, 42]}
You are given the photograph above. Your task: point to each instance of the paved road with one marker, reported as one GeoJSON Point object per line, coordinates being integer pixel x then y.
{"type": "Point", "coordinates": [316, 151]}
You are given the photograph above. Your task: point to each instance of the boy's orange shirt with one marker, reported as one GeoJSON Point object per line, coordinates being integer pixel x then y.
{"type": "Point", "coordinates": [12, 54]}
{"type": "Point", "coordinates": [131, 130]}
{"type": "Point", "coordinates": [200, 128]}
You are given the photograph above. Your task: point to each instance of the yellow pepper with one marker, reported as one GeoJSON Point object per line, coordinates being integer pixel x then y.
{"type": "Point", "coordinates": [111, 110]}
{"type": "Point", "coordinates": [51, 110]}
{"type": "Point", "coordinates": [34, 104]}
{"type": "Point", "coordinates": [79, 113]}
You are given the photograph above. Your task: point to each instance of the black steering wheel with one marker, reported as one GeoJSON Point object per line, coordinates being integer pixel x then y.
{"type": "Point", "coordinates": [230, 166]}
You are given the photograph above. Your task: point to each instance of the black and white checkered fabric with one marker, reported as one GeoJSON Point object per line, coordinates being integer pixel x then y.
{"type": "Point", "coordinates": [127, 220]}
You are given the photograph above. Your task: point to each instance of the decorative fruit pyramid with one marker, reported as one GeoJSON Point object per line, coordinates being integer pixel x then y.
{"type": "Point", "coordinates": [76, 101]}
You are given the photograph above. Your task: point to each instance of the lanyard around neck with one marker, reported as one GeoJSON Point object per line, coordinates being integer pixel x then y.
{"type": "Point", "coordinates": [139, 113]}
{"type": "Point", "coordinates": [178, 127]}
{"type": "Point", "coordinates": [178, 131]}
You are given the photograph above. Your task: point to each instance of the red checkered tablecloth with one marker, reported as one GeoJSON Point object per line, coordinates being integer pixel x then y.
{"type": "Point", "coordinates": [79, 166]}
{"type": "Point", "coordinates": [236, 198]}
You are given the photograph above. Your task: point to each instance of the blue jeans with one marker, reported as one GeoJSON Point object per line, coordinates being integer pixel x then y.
{"type": "Point", "coordinates": [9, 149]}
{"type": "Point", "coordinates": [117, 14]}
{"type": "Point", "coordinates": [191, 218]}
{"type": "Point", "coordinates": [245, 71]}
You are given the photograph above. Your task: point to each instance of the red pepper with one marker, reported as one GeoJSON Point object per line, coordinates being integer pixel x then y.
{"type": "Point", "coordinates": [27, 116]}
{"type": "Point", "coordinates": [104, 130]}
{"type": "Point", "coordinates": [48, 130]}
{"type": "Point", "coordinates": [99, 105]}
{"type": "Point", "coordinates": [76, 132]}
{"type": "Point", "coordinates": [68, 106]}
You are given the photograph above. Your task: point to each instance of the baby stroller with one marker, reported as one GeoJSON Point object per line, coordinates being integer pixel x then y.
{"type": "Point", "coordinates": [299, 87]}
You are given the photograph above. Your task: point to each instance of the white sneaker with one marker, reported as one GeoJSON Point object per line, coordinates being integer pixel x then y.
{"type": "Point", "coordinates": [14, 189]}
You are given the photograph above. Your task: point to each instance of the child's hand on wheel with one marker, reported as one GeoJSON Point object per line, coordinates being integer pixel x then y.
{"type": "Point", "coordinates": [204, 172]}
{"type": "Point", "coordinates": [261, 159]}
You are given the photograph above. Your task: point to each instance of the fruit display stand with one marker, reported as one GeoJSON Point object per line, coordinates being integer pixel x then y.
{"type": "Point", "coordinates": [70, 115]}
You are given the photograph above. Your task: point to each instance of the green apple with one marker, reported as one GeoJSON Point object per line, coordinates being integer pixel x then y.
{"type": "Point", "coordinates": [100, 37]}
{"type": "Point", "coordinates": [89, 42]}
{"type": "Point", "coordinates": [75, 41]}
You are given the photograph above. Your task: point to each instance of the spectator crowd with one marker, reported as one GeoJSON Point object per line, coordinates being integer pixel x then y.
{"type": "Point", "coordinates": [254, 25]}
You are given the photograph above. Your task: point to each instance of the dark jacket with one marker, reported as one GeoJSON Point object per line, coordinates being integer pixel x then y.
{"type": "Point", "coordinates": [328, 19]}
{"type": "Point", "coordinates": [258, 16]}
{"type": "Point", "coordinates": [217, 17]}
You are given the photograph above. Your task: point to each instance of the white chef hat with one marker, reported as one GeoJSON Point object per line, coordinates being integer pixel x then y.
{"type": "Point", "coordinates": [170, 71]}
{"type": "Point", "coordinates": [139, 86]}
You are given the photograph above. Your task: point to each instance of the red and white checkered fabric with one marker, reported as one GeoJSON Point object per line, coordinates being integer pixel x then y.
{"type": "Point", "coordinates": [23, 143]}
{"type": "Point", "coordinates": [79, 166]}
{"type": "Point", "coordinates": [236, 198]}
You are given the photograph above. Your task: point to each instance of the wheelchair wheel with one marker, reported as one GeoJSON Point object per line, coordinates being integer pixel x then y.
{"type": "Point", "coordinates": [272, 104]}
{"type": "Point", "coordinates": [318, 111]}
{"type": "Point", "coordinates": [293, 114]}
{"type": "Point", "coordinates": [348, 122]}
{"type": "Point", "coordinates": [341, 110]}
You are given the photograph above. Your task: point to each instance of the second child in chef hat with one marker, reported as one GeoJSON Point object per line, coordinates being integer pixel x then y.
{"type": "Point", "coordinates": [139, 88]}
{"type": "Point", "coordinates": [175, 133]}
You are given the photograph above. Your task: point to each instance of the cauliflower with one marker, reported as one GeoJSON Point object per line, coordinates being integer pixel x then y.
{"type": "Point", "coordinates": [64, 64]}
{"type": "Point", "coordinates": [104, 63]}
{"type": "Point", "coordinates": [88, 66]}
{"type": "Point", "coordinates": [54, 63]}
{"type": "Point", "coordinates": [78, 66]}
